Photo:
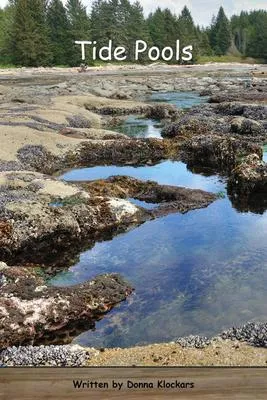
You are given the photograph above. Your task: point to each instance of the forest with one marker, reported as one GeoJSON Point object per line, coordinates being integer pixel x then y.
{"type": "Point", "coordinates": [43, 32]}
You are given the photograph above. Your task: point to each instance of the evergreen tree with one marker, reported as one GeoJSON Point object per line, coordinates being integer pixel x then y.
{"type": "Point", "coordinates": [221, 36]}
{"type": "Point", "coordinates": [59, 32]}
{"type": "Point", "coordinates": [240, 26]}
{"type": "Point", "coordinates": [119, 21]}
{"type": "Point", "coordinates": [257, 41]}
{"type": "Point", "coordinates": [156, 26]}
{"type": "Point", "coordinates": [105, 22]}
{"type": "Point", "coordinates": [204, 47]}
{"type": "Point", "coordinates": [6, 34]}
{"type": "Point", "coordinates": [30, 36]}
{"type": "Point", "coordinates": [186, 19]}
{"type": "Point", "coordinates": [188, 32]}
{"type": "Point", "coordinates": [41, 32]}
{"type": "Point", "coordinates": [171, 29]}
{"type": "Point", "coordinates": [135, 27]}
{"type": "Point", "coordinates": [79, 25]}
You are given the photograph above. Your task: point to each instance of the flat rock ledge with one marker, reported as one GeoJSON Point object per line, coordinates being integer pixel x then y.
{"type": "Point", "coordinates": [42, 219]}
{"type": "Point", "coordinates": [30, 310]}
{"type": "Point", "coordinates": [91, 153]}
{"type": "Point", "coordinates": [46, 221]}
{"type": "Point", "coordinates": [166, 198]}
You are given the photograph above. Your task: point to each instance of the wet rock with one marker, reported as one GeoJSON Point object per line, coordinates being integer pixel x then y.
{"type": "Point", "coordinates": [170, 198]}
{"type": "Point", "coordinates": [253, 333]}
{"type": "Point", "coordinates": [126, 152]}
{"type": "Point", "coordinates": [186, 127]}
{"type": "Point", "coordinates": [206, 92]}
{"type": "Point", "coordinates": [250, 177]}
{"type": "Point", "coordinates": [162, 111]}
{"type": "Point", "coordinates": [249, 121]}
{"type": "Point", "coordinates": [198, 342]}
{"type": "Point", "coordinates": [216, 152]}
{"type": "Point", "coordinates": [79, 121]}
{"type": "Point", "coordinates": [31, 310]}
{"type": "Point", "coordinates": [120, 95]}
{"type": "Point", "coordinates": [252, 111]}
{"type": "Point", "coordinates": [46, 356]}
{"type": "Point", "coordinates": [246, 126]}
{"type": "Point", "coordinates": [256, 112]}
{"type": "Point", "coordinates": [38, 158]}
{"type": "Point", "coordinates": [97, 152]}
{"type": "Point", "coordinates": [244, 94]}
{"type": "Point", "coordinates": [43, 220]}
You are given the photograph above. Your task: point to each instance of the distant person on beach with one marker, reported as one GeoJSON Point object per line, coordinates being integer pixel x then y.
{"type": "Point", "coordinates": [83, 68]}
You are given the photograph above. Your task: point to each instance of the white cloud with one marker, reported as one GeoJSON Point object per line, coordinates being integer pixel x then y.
{"type": "Point", "coordinates": [202, 10]}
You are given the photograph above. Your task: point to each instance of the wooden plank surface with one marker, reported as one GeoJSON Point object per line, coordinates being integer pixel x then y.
{"type": "Point", "coordinates": [209, 383]}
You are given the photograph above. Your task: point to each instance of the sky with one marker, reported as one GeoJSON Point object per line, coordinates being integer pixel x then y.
{"type": "Point", "coordinates": [202, 10]}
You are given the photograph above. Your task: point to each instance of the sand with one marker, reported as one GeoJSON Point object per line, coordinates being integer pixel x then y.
{"type": "Point", "coordinates": [219, 353]}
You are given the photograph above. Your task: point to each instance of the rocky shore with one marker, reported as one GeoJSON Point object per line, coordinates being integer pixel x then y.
{"type": "Point", "coordinates": [53, 123]}
{"type": "Point", "coordinates": [242, 346]}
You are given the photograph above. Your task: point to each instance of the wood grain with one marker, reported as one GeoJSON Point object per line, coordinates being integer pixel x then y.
{"type": "Point", "coordinates": [209, 383]}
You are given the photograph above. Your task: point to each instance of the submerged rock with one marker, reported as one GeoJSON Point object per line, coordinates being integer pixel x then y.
{"type": "Point", "coordinates": [30, 310]}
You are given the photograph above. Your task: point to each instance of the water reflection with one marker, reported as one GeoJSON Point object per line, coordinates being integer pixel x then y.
{"type": "Point", "coordinates": [166, 173]}
{"type": "Point", "coordinates": [138, 127]}
{"type": "Point", "coordinates": [196, 273]}
{"type": "Point", "coordinates": [179, 99]}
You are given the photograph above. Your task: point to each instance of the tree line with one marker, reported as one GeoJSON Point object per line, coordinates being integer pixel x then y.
{"type": "Point", "coordinates": [42, 32]}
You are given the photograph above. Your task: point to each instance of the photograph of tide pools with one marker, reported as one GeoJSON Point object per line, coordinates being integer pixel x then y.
{"type": "Point", "coordinates": [133, 196]}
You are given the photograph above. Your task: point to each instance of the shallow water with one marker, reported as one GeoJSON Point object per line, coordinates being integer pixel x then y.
{"type": "Point", "coordinates": [140, 127]}
{"type": "Point", "coordinates": [179, 99]}
{"type": "Point", "coordinates": [146, 128]}
{"type": "Point", "coordinates": [194, 273]}
{"type": "Point", "coordinates": [166, 173]}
